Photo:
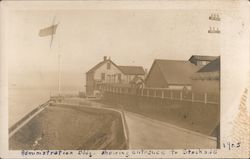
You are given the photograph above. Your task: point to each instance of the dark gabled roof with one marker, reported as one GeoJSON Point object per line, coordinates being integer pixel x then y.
{"type": "Point", "coordinates": [96, 67]}
{"type": "Point", "coordinates": [132, 70]}
{"type": "Point", "coordinates": [203, 58]}
{"type": "Point", "coordinates": [127, 70]}
{"type": "Point", "coordinates": [213, 66]}
{"type": "Point", "coordinates": [93, 69]}
{"type": "Point", "coordinates": [175, 72]}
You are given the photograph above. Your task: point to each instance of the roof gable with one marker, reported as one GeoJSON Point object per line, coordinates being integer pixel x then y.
{"type": "Point", "coordinates": [93, 69]}
{"type": "Point", "coordinates": [96, 67]}
{"type": "Point", "coordinates": [155, 78]}
{"type": "Point", "coordinates": [202, 58]}
{"type": "Point", "coordinates": [132, 70]}
{"type": "Point", "coordinates": [174, 71]}
{"type": "Point", "coordinates": [213, 66]}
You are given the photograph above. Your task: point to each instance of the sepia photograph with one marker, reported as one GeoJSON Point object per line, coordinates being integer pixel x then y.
{"type": "Point", "coordinates": [122, 81]}
{"type": "Point", "coordinates": [115, 79]}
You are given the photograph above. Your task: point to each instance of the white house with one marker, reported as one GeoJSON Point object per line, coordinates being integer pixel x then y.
{"type": "Point", "coordinates": [107, 71]}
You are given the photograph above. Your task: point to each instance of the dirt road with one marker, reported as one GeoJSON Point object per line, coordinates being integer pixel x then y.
{"type": "Point", "coordinates": [146, 133]}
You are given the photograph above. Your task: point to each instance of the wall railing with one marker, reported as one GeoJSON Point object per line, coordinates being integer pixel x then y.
{"type": "Point", "coordinates": [163, 93]}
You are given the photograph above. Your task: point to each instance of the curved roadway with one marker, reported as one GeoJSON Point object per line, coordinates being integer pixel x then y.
{"type": "Point", "coordinates": [146, 133]}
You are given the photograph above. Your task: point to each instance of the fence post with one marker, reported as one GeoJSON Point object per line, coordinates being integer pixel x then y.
{"type": "Point", "coordinates": [171, 94]}
{"type": "Point", "coordinates": [147, 92]}
{"type": "Point", "coordinates": [142, 92]}
{"type": "Point", "coordinates": [180, 95]}
{"type": "Point", "coordinates": [162, 93]}
{"type": "Point", "coordinates": [205, 100]}
{"type": "Point", "coordinates": [192, 97]}
{"type": "Point", "coordinates": [155, 93]}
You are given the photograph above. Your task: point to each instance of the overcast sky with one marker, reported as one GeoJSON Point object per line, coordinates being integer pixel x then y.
{"type": "Point", "coordinates": [129, 37]}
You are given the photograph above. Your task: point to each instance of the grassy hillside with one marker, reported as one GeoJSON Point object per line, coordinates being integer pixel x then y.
{"type": "Point", "coordinates": [64, 127]}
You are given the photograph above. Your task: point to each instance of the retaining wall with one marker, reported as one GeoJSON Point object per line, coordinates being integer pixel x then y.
{"type": "Point", "coordinates": [197, 116]}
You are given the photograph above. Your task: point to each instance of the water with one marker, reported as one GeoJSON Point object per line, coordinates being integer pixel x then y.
{"type": "Point", "coordinates": [24, 100]}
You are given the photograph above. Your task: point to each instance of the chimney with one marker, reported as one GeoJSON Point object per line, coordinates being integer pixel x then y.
{"type": "Point", "coordinates": [104, 58]}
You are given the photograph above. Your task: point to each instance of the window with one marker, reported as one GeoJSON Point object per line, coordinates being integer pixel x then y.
{"type": "Point", "coordinates": [109, 78]}
{"type": "Point", "coordinates": [113, 78]}
{"type": "Point", "coordinates": [204, 63]}
{"type": "Point", "coordinates": [89, 78]}
{"type": "Point", "coordinates": [103, 77]}
{"type": "Point", "coordinates": [108, 66]}
{"type": "Point", "coordinates": [119, 78]}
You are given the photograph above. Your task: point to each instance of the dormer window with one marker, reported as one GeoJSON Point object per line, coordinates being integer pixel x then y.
{"type": "Point", "coordinates": [204, 63]}
{"type": "Point", "coordinates": [108, 66]}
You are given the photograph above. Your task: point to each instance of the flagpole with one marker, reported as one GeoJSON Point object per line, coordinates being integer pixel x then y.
{"type": "Point", "coordinates": [51, 30]}
{"type": "Point", "coordinates": [59, 74]}
{"type": "Point", "coordinates": [59, 64]}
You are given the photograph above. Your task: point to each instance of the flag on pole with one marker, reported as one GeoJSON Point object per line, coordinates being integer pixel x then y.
{"type": "Point", "coordinates": [48, 31]}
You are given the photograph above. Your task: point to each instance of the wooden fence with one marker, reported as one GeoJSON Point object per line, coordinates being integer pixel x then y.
{"type": "Point", "coordinates": [181, 95]}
